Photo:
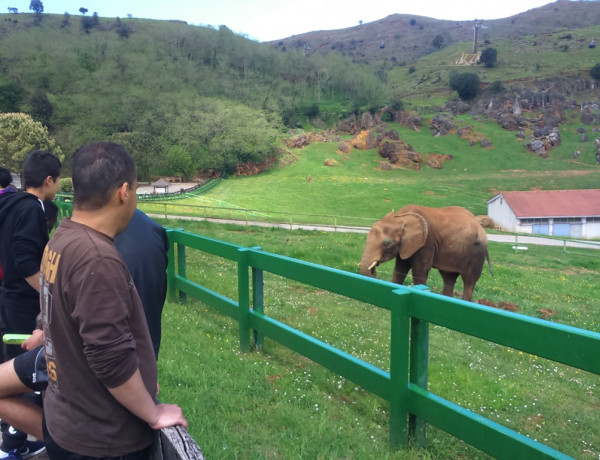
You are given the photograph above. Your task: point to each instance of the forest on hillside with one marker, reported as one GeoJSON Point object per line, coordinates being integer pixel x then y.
{"type": "Point", "coordinates": [186, 97]}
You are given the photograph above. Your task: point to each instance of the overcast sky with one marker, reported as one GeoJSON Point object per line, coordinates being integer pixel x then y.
{"type": "Point", "coordinates": [265, 20]}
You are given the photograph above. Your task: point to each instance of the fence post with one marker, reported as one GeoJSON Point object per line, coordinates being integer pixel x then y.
{"type": "Point", "coordinates": [399, 346]}
{"type": "Point", "coordinates": [258, 302]}
{"type": "Point", "coordinates": [244, 299]}
{"type": "Point", "coordinates": [171, 268]}
{"type": "Point", "coordinates": [419, 360]}
{"type": "Point", "coordinates": [181, 262]}
{"type": "Point", "coordinates": [419, 356]}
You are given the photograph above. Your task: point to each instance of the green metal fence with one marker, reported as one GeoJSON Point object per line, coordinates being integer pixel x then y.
{"type": "Point", "coordinates": [412, 309]}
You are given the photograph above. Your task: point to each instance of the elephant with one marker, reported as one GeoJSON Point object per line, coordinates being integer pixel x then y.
{"type": "Point", "coordinates": [419, 238]}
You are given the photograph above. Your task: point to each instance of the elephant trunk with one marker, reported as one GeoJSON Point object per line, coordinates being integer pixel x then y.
{"type": "Point", "coordinates": [368, 263]}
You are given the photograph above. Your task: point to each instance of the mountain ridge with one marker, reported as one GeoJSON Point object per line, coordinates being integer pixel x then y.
{"type": "Point", "coordinates": [406, 37]}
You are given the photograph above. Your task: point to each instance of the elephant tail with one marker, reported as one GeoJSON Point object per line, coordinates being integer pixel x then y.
{"type": "Point", "coordinates": [487, 256]}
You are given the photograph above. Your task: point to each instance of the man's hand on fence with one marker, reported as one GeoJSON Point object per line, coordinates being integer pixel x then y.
{"type": "Point", "coordinates": [169, 415]}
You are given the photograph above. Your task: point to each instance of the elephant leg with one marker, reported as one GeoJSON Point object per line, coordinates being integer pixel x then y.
{"type": "Point", "coordinates": [420, 275]}
{"type": "Point", "coordinates": [469, 286]}
{"type": "Point", "coordinates": [449, 282]}
{"type": "Point", "coordinates": [401, 269]}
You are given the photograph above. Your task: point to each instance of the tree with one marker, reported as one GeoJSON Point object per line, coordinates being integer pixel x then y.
{"type": "Point", "coordinates": [11, 95]}
{"type": "Point", "coordinates": [19, 135]}
{"type": "Point", "coordinates": [83, 10]}
{"type": "Point", "coordinates": [438, 42]}
{"type": "Point", "coordinates": [595, 72]}
{"type": "Point", "coordinates": [143, 147]}
{"type": "Point", "coordinates": [222, 134]}
{"type": "Point", "coordinates": [41, 107]}
{"type": "Point", "coordinates": [36, 6]}
{"type": "Point", "coordinates": [465, 84]}
{"type": "Point", "coordinates": [489, 57]}
{"type": "Point", "coordinates": [179, 160]}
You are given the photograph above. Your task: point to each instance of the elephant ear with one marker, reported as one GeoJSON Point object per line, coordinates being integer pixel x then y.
{"type": "Point", "coordinates": [414, 234]}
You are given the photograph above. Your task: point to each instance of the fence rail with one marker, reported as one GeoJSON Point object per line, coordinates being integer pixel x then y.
{"type": "Point", "coordinates": [412, 309]}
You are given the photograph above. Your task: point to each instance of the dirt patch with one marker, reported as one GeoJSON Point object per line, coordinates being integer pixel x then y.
{"type": "Point", "coordinates": [508, 306]}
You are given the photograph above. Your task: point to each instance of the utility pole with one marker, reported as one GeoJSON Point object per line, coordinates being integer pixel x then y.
{"type": "Point", "coordinates": [476, 27]}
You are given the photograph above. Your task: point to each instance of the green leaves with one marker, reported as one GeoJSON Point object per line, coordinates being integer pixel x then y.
{"type": "Point", "coordinates": [19, 135]}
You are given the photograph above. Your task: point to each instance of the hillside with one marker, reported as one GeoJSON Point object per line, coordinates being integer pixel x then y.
{"type": "Point", "coordinates": [185, 99]}
{"type": "Point", "coordinates": [407, 38]}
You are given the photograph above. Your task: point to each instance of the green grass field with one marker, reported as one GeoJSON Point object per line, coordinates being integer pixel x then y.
{"type": "Point", "coordinates": [359, 189]}
{"type": "Point", "coordinates": [277, 404]}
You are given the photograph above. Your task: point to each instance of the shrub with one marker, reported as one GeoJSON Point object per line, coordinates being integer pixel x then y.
{"type": "Point", "coordinates": [489, 57]}
{"type": "Point", "coordinates": [497, 87]}
{"type": "Point", "coordinates": [65, 185]}
{"type": "Point", "coordinates": [465, 84]}
{"type": "Point", "coordinates": [595, 72]}
{"type": "Point", "coordinates": [438, 42]}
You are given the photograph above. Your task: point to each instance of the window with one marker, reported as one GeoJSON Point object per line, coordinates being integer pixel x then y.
{"type": "Point", "coordinates": [567, 220]}
{"type": "Point", "coordinates": [535, 221]}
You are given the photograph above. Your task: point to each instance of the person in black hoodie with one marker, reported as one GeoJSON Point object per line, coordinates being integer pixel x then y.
{"type": "Point", "coordinates": [23, 237]}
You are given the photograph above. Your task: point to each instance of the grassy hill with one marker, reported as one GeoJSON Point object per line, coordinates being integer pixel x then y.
{"type": "Point", "coordinates": [358, 187]}
{"type": "Point", "coordinates": [189, 92]}
{"type": "Point", "coordinates": [408, 37]}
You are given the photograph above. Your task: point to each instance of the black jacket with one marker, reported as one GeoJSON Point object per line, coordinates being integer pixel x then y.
{"type": "Point", "coordinates": [144, 246]}
{"type": "Point", "coordinates": [23, 237]}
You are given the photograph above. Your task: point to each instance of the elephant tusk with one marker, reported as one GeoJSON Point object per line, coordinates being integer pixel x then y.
{"type": "Point", "coordinates": [373, 265]}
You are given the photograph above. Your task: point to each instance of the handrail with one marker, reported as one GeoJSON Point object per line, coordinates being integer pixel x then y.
{"type": "Point", "coordinates": [405, 385]}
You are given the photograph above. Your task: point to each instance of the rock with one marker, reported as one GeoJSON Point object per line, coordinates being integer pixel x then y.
{"type": "Point", "coordinates": [485, 143]}
{"type": "Point", "coordinates": [391, 134]}
{"type": "Point", "coordinates": [330, 162]}
{"type": "Point", "coordinates": [440, 125]}
{"type": "Point", "coordinates": [414, 122]}
{"type": "Point", "coordinates": [536, 146]}
{"type": "Point", "coordinates": [434, 163]}
{"type": "Point", "coordinates": [343, 147]}
{"type": "Point", "coordinates": [297, 142]}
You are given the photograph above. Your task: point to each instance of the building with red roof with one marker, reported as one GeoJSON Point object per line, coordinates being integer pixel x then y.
{"type": "Point", "coordinates": [566, 213]}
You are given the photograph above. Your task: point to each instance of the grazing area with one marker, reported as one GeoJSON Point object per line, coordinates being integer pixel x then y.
{"type": "Point", "coordinates": [277, 404]}
{"type": "Point", "coordinates": [359, 187]}
{"type": "Point", "coordinates": [333, 128]}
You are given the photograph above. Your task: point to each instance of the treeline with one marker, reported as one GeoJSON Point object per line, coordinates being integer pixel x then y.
{"type": "Point", "coordinates": [189, 97]}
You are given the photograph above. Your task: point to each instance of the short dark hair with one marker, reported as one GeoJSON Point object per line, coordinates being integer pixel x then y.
{"type": "Point", "coordinates": [97, 170]}
{"type": "Point", "coordinates": [5, 177]}
{"type": "Point", "coordinates": [37, 166]}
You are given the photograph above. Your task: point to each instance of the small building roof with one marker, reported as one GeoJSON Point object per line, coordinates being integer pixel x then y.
{"type": "Point", "coordinates": [553, 203]}
{"type": "Point", "coordinates": [161, 183]}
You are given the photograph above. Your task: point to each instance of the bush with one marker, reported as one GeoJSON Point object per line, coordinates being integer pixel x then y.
{"type": "Point", "coordinates": [489, 57]}
{"type": "Point", "coordinates": [497, 87]}
{"type": "Point", "coordinates": [465, 84]}
{"type": "Point", "coordinates": [438, 42]}
{"type": "Point", "coordinates": [595, 72]}
{"type": "Point", "coordinates": [65, 185]}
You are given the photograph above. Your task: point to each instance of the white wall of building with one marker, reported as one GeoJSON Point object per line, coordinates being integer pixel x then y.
{"type": "Point", "coordinates": [506, 219]}
{"type": "Point", "coordinates": [502, 215]}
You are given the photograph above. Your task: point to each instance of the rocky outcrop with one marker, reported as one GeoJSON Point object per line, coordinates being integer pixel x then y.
{"type": "Point", "coordinates": [354, 124]}
{"type": "Point", "coordinates": [297, 142]}
{"type": "Point", "coordinates": [397, 152]}
{"type": "Point", "coordinates": [543, 140]}
{"type": "Point", "coordinates": [441, 125]}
